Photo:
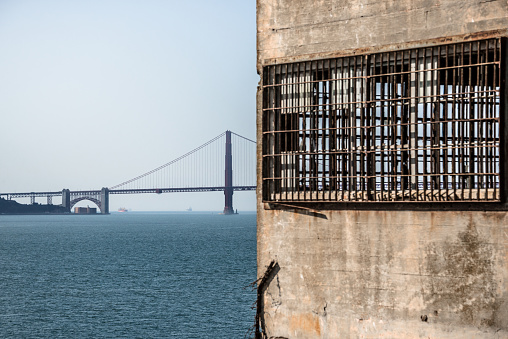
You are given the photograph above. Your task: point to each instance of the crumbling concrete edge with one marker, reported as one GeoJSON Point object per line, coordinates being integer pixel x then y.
{"type": "Point", "coordinates": [264, 282]}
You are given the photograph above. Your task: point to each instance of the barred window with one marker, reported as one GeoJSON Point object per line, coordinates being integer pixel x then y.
{"type": "Point", "coordinates": [410, 125]}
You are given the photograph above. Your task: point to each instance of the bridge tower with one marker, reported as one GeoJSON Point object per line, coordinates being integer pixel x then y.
{"type": "Point", "coordinates": [66, 199]}
{"type": "Point", "coordinates": [104, 200]}
{"type": "Point", "coordinates": [228, 182]}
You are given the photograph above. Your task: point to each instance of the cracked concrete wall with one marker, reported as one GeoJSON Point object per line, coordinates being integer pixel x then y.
{"type": "Point", "coordinates": [372, 274]}
{"type": "Point", "coordinates": [392, 274]}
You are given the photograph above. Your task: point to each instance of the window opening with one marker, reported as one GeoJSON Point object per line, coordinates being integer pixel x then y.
{"type": "Point", "coordinates": [410, 125]}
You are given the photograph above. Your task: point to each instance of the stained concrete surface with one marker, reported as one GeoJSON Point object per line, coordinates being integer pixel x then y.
{"type": "Point", "coordinates": [379, 274]}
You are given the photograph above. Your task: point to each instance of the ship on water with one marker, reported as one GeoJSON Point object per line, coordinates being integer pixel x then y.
{"type": "Point", "coordinates": [122, 209]}
{"type": "Point", "coordinates": [189, 209]}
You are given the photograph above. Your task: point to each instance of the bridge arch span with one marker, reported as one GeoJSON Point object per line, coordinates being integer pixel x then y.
{"type": "Point", "coordinates": [92, 199]}
{"type": "Point", "coordinates": [99, 198]}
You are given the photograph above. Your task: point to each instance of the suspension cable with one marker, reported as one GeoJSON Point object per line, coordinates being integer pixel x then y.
{"type": "Point", "coordinates": [169, 163]}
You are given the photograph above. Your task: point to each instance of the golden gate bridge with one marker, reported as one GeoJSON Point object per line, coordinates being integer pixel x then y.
{"type": "Point", "coordinates": [225, 163]}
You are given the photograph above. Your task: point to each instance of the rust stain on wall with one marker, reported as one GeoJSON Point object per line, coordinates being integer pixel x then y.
{"type": "Point", "coordinates": [306, 323]}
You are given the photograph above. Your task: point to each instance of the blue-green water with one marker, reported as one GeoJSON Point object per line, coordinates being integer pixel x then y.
{"type": "Point", "coordinates": [128, 275]}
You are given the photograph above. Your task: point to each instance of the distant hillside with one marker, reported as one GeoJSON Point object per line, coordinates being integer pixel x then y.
{"type": "Point", "coordinates": [13, 207]}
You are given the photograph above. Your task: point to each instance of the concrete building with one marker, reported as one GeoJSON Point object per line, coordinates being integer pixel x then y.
{"type": "Point", "coordinates": [85, 210]}
{"type": "Point", "coordinates": [382, 169]}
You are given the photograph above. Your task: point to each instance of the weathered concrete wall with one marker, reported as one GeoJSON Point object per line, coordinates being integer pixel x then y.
{"type": "Point", "coordinates": [296, 28]}
{"type": "Point", "coordinates": [372, 274]}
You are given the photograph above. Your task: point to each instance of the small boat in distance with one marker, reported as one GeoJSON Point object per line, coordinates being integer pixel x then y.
{"type": "Point", "coordinates": [189, 209]}
{"type": "Point", "coordinates": [123, 209]}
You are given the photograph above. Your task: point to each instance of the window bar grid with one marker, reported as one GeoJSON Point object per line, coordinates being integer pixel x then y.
{"type": "Point", "coordinates": [413, 125]}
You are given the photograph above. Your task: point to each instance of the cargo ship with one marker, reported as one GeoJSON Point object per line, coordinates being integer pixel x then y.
{"type": "Point", "coordinates": [122, 209]}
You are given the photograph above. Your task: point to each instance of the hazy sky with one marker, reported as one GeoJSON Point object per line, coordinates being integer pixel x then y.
{"type": "Point", "coordinates": [93, 93]}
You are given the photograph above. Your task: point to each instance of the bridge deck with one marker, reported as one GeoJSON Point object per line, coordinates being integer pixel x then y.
{"type": "Point", "coordinates": [126, 191]}
{"type": "Point", "coordinates": [180, 189]}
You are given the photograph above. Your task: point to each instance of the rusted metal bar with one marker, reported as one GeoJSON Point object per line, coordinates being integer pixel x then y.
{"type": "Point", "coordinates": [503, 126]}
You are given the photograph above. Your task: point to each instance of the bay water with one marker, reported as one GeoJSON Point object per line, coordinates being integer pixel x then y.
{"type": "Point", "coordinates": [127, 275]}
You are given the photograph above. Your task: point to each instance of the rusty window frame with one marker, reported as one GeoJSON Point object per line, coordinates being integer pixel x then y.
{"type": "Point", "coordinates": [416, 125]}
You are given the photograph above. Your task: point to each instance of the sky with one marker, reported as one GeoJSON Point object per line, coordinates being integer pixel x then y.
{"type": "Point", "coordinates": [93, 93]}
